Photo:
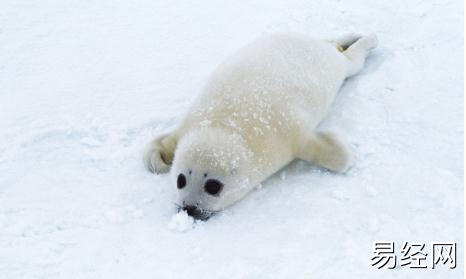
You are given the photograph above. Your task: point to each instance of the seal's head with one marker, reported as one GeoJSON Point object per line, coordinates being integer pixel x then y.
{"type": "Point", "coordinates": [211, 171]}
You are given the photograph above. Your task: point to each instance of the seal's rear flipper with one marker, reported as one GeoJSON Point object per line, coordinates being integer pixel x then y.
{"type": "Point", "coordinates": [327, 150]}
{"type": "Point", "coordinates": [357, 52]}
{"type": "Point", "coordinates": [344, 42]}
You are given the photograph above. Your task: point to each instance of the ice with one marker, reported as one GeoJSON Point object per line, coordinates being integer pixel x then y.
{"type": "Point", "coordinates": [91, 142]}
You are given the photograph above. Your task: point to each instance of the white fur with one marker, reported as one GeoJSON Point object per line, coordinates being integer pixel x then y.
{"type": "Point", "coordinates": [257, 113]}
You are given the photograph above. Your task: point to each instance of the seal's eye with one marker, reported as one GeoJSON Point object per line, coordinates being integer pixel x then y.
{"type": "Point", "coordinates": [181, 181]}
{"type": "Point", "coordinates": [213, 186]}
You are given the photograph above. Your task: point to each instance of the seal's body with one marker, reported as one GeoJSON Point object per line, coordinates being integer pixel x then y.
{"type": "Point", "coordinates": [257, 113]}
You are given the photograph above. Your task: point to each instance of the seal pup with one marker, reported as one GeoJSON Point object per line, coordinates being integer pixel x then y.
{"type": "Point", "coordinates": [258, 111]}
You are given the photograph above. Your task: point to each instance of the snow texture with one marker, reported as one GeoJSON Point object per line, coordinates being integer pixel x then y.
{"type": "Point", "coordinates": [181, 222]}
{"type": "Point", "coordinates": [84, 85]}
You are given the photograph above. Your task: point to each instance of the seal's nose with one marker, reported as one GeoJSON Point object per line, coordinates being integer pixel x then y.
{"type": "Point", "coordinates": [192, 210]}
{"type": "Point", "coordinates": [196, 213]}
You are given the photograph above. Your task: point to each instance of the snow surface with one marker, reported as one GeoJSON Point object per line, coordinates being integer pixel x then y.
{"type": "Point", "coordinates": [84, 85]}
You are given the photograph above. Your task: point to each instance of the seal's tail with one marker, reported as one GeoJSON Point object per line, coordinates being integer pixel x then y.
{"type": "Point", "coordinates": [345, 41]}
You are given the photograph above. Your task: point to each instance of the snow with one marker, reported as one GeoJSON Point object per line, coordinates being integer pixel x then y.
{"type": "Point", "coordinates": [85, 85]}
{"type": "Point", "coordinates": [181, 222]}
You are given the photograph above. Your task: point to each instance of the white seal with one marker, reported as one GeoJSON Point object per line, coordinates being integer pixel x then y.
{"type": "Point", "coordinates": [258, 112]}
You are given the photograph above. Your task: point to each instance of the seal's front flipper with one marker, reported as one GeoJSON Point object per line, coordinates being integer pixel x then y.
{"type": "Point", "coordinates": [327, 150]}
{"type": "Point", "coordinates": [159, 153]}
